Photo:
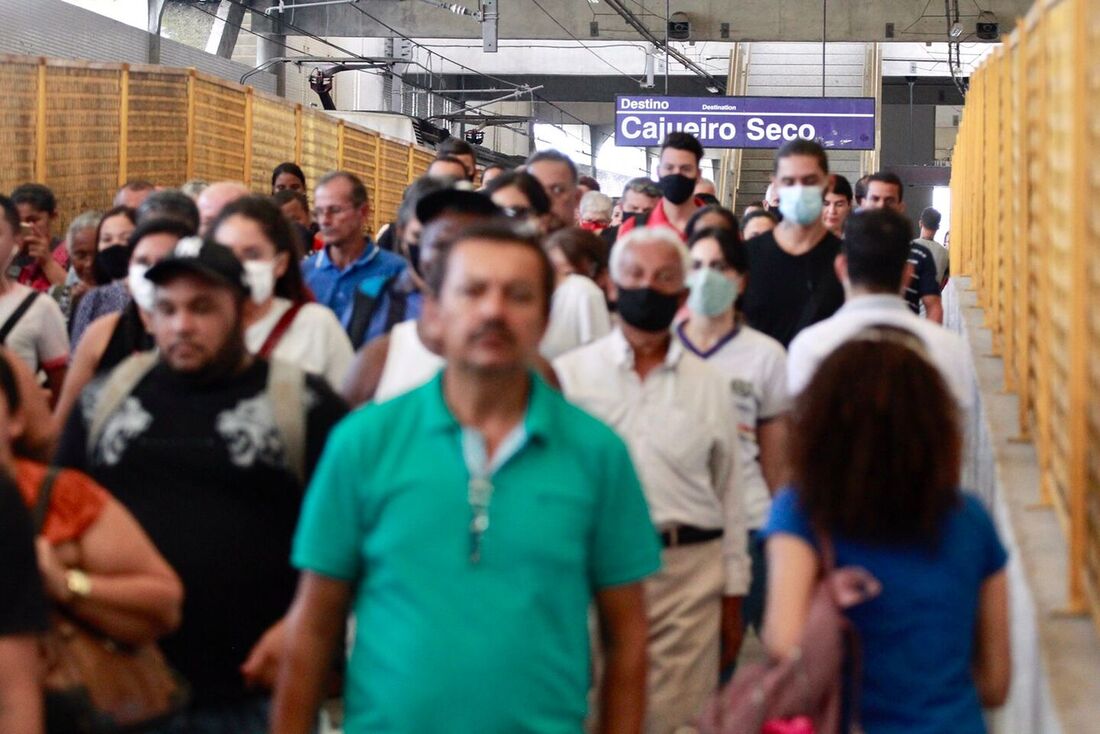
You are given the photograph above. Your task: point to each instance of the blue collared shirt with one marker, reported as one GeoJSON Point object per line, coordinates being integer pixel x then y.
{"type": "Point", "coordinates": [373, 273]}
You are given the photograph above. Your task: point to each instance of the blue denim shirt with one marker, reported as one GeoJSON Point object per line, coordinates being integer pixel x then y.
{"type": "Point", "coordinates": [374, 272]}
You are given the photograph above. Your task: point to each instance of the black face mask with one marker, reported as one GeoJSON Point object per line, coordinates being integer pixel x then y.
{"type": "Point", "coordinates": [676, 187]}
{"type": "Point", "coordinates": [647, 309]}
{"type": "Point", "coordinates": [111, 264]}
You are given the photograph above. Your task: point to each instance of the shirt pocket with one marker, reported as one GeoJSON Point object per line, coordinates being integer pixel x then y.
{"type": "Point", "coordinates": [552, 528]}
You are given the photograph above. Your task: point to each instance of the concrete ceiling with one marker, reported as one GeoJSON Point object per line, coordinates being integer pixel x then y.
{"type": "Point", "coordinates": [748, 20]}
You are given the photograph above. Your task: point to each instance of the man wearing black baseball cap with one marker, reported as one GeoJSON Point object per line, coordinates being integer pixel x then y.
{"type": "Point", "coordinates": [210, 448]}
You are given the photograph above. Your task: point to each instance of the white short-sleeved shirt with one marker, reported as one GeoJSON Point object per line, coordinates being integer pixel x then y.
{"type": "Point", "coordinates": [315, 340]}
{"type": "Point", "coordinates": [409, 364]}
{"type": "Point", "coordinates": [578, 316]}
{"type": "Point", "coordinates": [756, 367]}
{"type": "Point", "coordinates": [679, 426]}
{"type": "Point", "coordinates": [947, 350]}
{"type": "Point", "coordinates": [39, 338]}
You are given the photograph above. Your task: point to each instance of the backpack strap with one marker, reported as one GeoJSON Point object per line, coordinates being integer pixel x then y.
{"type": "Point", "coordinates": [118, 386]}
{"type": "Point", "coordinates": [42, 504]}
{"type": "Point", "coordinates": [279, 331]}
{"type": "Point", "coordinates": [286, 391]}
{"type": "Point", "coordinates": [17, 314]}
{"type": "Point", "coordinates": [365, 301]}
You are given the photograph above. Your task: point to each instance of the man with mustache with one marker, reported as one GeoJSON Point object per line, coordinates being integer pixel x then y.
{"type": "Point", "coordinates": [470, 524]}
{"type": "Point", "coordinates": [209, 448]}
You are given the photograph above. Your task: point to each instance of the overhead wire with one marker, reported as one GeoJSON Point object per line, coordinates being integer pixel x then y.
{"type": "Point", "coordinates": [350, 53]}
{"type": "Point", "coordinates": [307, 34]}
{"type": "Point", "coordinates": [491, 77]}
{"type": "Point", "coordinates": [305, 52]}
{"type": "Point", "coordinates": [582, 43]}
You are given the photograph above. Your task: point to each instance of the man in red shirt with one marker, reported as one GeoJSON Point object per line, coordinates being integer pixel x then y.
{"type": "Point", "coordinates": [679, 171]}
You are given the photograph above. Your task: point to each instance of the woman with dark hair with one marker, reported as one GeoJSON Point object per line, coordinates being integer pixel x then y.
{"type": "Point", "coordinates": [521, 196]}
{"type": "Point", "coordinates": [875, 455]}
{"type": "Point", "coordinates": [280, 319]}
{"type": "Point", "coordinates": [97, 563]}
{"type": "Point", "coordinates": [578, 308]}
{"type": "Point", "coordinates": [710, 217]}
{"type": "Point", "coordinates": [756, 367]}
{"type": "Point", "coordinates": [288, 176]}
{"type": "Point", "coordinates": [112, 338]}
{"type": "Point", "coordinates": [838, 205]}
{"type": "Point", "coordinates": [109, 267]}
{"type": "Point", "coordinates": [756, 223]}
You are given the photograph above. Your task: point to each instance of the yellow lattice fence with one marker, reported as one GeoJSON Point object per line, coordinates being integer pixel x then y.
{"type": "Point", "coordinates": [82, 142]}
{"type": "Point", "coordinates": [155, 147]}
{"type": "Point", "coordinates": [273, 138]}
{"type": "Point", "coordinates": [85, 128]}
{"type": "Point", "coordinates": [320, 144]}
{"type": "Point", "coordinates": [18, 121]}
{"type": "Point", "coordinates": [218, 130]}
{"type": "Point", "coordinates": [1026, 231]}
{"type": "Point", "coordinates": [360, 156]}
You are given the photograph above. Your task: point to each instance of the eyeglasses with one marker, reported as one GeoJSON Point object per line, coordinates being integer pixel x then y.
{"type": "Point", "coordinates": [332, 211]}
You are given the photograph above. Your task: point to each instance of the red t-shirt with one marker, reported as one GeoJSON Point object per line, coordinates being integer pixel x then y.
{"type": "Point", "coordinates": [657, 218]}
{"type": "Point", "coordinates": [75, 502]}
{"type": "Point", "coordinates": [33, 275]}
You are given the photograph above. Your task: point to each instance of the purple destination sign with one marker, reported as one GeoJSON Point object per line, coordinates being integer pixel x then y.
{"type": "Point", "coordinates": [839, 123]}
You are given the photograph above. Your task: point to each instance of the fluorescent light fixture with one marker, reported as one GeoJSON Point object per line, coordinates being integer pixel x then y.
{"type": "Point", "coordinates": [956, 29]}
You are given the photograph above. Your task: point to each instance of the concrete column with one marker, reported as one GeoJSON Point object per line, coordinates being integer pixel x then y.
{"type": "Point", "coordinates": [271, 43]}
{"type": "Point", "coordinates": [156, 12]}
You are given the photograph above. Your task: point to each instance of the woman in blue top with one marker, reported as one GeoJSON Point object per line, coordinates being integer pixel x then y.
{"type": "Point", "coordinates": [875, 462]}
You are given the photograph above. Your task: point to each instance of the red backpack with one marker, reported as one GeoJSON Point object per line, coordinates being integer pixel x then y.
{"type": "Point", "coordinates": [802, 694]}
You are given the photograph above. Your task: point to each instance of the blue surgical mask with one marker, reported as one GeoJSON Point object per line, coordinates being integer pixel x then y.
{"type": "Point", "coordinates": [801, 204]}
{"type": "Point", "coordinates": [711, 292]}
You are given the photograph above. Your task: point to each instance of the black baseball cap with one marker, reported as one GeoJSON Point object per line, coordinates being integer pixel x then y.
{"type": "Point", "coordinates": [208, 260]}
{"type": "Point", "coordinates": [455, 200]}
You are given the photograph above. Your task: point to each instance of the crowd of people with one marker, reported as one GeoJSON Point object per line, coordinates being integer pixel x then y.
{"type": "Point", "coordinates": [593, 443]}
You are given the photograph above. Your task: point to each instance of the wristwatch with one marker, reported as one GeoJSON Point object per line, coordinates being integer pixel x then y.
{"type": "Point", "coordinates": [78, 583]}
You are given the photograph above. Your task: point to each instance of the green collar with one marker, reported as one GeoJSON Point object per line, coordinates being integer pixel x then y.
{"type": "Point", "coordinates": [537, 420]}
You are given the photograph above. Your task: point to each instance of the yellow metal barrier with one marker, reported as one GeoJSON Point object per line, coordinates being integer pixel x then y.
{"type": "Point", "coordinates": [1026, 228]}
{"type": "Point", "coordinates": [85, 128]}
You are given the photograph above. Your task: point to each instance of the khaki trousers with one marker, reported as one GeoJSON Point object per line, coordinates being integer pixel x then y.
{"type": "Point", "coordinates": [684, 606]}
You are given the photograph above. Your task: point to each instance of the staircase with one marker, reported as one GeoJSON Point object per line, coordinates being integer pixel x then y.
{"type": "Point", "coordinates": [794, 70]}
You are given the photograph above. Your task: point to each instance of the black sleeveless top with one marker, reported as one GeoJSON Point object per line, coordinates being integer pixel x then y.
{"type": "Point", "coordinates": [128, 337]}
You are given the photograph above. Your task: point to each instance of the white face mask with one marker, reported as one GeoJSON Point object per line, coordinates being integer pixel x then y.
{"type": "Point", "coordinates": [142, 290]}
{"type": "Point", "coordinates": [259, 276]}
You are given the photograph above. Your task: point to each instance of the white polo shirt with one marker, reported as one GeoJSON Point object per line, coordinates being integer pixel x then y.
{"type": "Point", "coordinates": [681, 430]}
{"type": "Point", "coordinates": [755, 368]}
{"type": "Point", "coordinates": [947, 350]}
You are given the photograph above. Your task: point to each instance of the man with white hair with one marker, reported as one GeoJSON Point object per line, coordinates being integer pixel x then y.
{"type": "Point", "coordinates": [216, 197]}
{"type": "Point", "coordinates": [595, 211]}
{"type": "Point", "coordinates": [705, 187]}
{"type": "Point", "coordinates": [673, 410]}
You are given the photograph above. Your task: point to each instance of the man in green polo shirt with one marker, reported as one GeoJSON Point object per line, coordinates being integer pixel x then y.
{"type": "Point", "coordinates": [469, 524]}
